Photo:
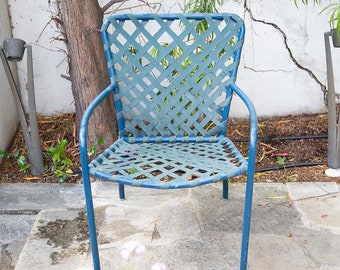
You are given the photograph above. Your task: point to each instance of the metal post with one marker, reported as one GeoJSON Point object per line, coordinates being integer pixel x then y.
{"type": "Point", "coordinates": [37, 166]}
{"type": "Point", "coordinates": [333, 155]}
{"type": "Point", "coordinates": [30, 133]}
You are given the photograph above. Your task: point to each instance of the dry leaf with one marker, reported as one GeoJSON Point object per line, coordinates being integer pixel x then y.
{"type": "Point", "coordinates": [32, 178]}
{"type": "Point", "coordinates": [155, 234]}
{"type": "Point", "coordinates": [262, 203]}
{"type": "Point", "coordinates": [192, 177]}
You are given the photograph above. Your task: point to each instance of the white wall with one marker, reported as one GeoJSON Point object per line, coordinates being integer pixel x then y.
{"type": "Point", "coordinates": [276, 85]}
{"type": "Point", "coordinates": [8, 112]}
{"type": "Point", "coordinates": [31, 21]}
{"type": "Point", "coordinates": [267, 74]}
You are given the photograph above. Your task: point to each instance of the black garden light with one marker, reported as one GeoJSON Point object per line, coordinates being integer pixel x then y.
{"type": "Point", "coordinates": [13, 50]}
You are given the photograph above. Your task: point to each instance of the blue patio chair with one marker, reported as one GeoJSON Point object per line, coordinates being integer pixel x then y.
{"type": "Point", "coordinates": [172, 80]}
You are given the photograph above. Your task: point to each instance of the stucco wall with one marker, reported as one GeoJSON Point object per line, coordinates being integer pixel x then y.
{"type": "Point", "coordinates": [267, 73]}
{"type": "Point", "coordinates": [31, 21]}
{"type": "Point", "coordinates": [8, 111]}
{"type": "Point", "coordinates": [270, 71]}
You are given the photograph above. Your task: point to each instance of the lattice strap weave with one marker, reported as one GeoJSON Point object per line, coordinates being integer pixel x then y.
{"type": "Point", "coordinates": [169, 165]}
{"type": "Point", "coordinates": [172, 75]}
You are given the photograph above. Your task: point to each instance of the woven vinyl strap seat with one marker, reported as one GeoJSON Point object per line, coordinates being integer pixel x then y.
{"type": "Point", "coordinates": [172, 80]}
{"type": "Point", "coordinates": [169, 165]}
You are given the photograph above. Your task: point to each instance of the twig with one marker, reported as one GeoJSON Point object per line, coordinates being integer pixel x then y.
{"type": "Point", "coordinates": [65, 77]}
{"type": "Point", "coordinates": [267, 145]}
{"type": "Point", "coordinates": [109, 4]}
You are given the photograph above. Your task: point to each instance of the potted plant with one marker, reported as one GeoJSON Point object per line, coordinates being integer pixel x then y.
{"type": "Point", "coordinates": [335, 37]}
{"type": "Point", "coordinates": [333, 155]}
{"type": "Point", "coordinates": [334, 21]}
{"type": "Point", "coordinates": [334, 18]}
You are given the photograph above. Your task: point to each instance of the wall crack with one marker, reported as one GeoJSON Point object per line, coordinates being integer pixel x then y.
{"type": "Point", "coordinates": [267, 70]}
{"type": "Point", "coordinates": [248, 10]}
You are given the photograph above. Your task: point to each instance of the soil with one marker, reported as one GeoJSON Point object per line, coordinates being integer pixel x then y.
{"type": "Point", "coordinates": [307, 155]}
{"type": "Point", "coordinates": [299, 142]}
{"type": "Point", "coordinates": [52, 130]}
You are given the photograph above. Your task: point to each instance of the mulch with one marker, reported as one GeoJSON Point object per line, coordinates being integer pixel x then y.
{"type": "Point", "coordinates": [280, 143]}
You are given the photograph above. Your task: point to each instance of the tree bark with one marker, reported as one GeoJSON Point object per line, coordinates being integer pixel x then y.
{"type": "Point", "coordinates": [82, 21]}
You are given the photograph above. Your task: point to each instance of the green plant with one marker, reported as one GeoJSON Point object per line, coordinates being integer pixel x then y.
{"type": "Point", "coordinates": [132, 170]}
{"type": "Point", "coordinates": [93, 149]}
{"type": "Point", "coordinates": [332, 8]}
{"type": "Point", "coordinates": [191, 6]}
{"type": "Point", "coordinates": [3, 154]}
{"type": "Point", "coordinates": [19, 158]}
{"type": "Point", "coordinates": [202, 6]}
{"type": "Point", "coordinates": [334, 20]}
{"type": "Point", "coordinates": [61, 164]}
{"type": "Point", "coordinates": [22, 162]}
{"type": "Point", "coordinates": [305, 2]}
{"type": "Point", "coordinates": [281, 161]}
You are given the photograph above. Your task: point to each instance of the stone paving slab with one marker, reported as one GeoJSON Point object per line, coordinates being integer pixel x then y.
{"type": "Point", "coordinates": [33, 197]}
{"type": "Point", "coordinates": [14, 231]}
{"type": "Point", "coordinates": [318, 204]}
{"type": "Point", "coordinates": [302, 190]}
{"type": "Point", "coordinates": [19, 206]}
{"type": "Point", "coordinates": [197, 229]}
{"type": "Point", "coordinates": [56, 241]}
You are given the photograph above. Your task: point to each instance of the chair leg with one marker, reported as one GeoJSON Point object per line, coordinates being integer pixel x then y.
{"type": "Point", "coordinates": [225, 191]}
{"type": "Point", "coordinates": [246, 221]}
{"type": "Point", "coordinates": [121, 191]}
{"type": "Point", "coordinates": [91, 222]}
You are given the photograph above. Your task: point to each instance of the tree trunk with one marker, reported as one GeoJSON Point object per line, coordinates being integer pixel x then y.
{"type": "Point", "coordinates": [82, 21]}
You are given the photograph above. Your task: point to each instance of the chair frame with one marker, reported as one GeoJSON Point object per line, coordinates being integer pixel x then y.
{"type": "Point", "coordinates": [89, 168]}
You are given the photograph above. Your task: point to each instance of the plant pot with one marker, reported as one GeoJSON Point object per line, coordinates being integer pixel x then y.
{"type": "Point", "coordinates": [335, 38]}
{"type": "Point", "coordinates": [14, 49]}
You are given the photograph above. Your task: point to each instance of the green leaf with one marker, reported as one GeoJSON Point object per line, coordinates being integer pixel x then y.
{"type": "Point", "coordinates": [68, 162]}
{"type": "Point", "coordinates": [54, 167]}
{"type": "Point", "coordinates": [281, 161]}
{"type": "Point", "coordinates": [21, 161]}
{"type": "Point", "coordinates": [202, 6]}
{"type": "Point", "coordinates": [101, 141]}
{"type": "Point", "coordinates": [3, 154]}
{"type": "Point", "coordinates": [56, 157]}
{"type": "Point", "coordinates": [69, 171]}
{"type": "Point", "coordinates": [62, 144]}
{"type": "Point", "coordinates": [92, 150]}
{"type": "Point", "coordinates": [52, 150]}
{"type": "Point", "coordinates": [132, 170]}
{"type": "Point", "coordinates": [16, 153]}
{"type": "Point", "coordinates": [62, 178]}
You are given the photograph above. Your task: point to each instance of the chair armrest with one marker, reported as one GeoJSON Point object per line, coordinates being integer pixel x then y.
{"type": "Point", "coordinates": [253, 125]}
{"type": "Point", "coordinates": [85, 121]}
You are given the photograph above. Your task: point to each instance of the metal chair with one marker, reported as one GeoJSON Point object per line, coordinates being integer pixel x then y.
{"type": "Point", "coordinates": [172, 80]}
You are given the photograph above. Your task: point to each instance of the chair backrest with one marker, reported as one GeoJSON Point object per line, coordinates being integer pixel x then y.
{"type": "Point", "coordinates": [172, 72]}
